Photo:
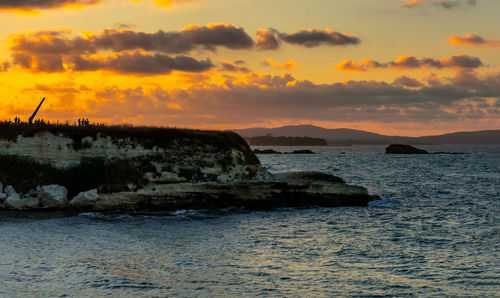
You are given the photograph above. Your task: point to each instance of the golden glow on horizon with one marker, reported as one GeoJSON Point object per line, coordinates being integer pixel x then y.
{"type": "Point", "coordinates": [379, 63]}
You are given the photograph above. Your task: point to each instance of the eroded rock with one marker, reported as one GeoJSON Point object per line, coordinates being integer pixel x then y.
{"type": "Point", "coordinates": [52, 196]}
{"type": "Point", "coordinates": [16, 202]}
{"type": "Point", "coordinates": [283, 190]}
{"type": "Point", "coordinates": [85, 199]}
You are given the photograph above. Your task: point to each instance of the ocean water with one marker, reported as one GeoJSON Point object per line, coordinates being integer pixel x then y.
{"type": "Point", "coordinates": [435, 232]}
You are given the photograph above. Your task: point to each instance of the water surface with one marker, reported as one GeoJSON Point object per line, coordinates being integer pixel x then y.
{"type": "Point", "coordinates": [435, 232]}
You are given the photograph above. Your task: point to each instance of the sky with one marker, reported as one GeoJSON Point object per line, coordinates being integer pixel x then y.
{"type": "Point", "coordinates": [397, 67]}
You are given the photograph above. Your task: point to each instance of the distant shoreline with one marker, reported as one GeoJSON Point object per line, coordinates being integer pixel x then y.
{"type": "Point", "coordinates": [343, 136]}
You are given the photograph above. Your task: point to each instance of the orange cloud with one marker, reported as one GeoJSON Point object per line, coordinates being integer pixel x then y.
{"type": "Point", "coordinates": [410, 3]}
{"type": "Point", "coordinates": [473, 40]}
{"type": "Point", "coordinates": [410, 62]}
{"type": "Point", "coordinates": [169, 3]}
{"type": "Point", "coordinates": [291, 64]}
{"type": "Point", "coordinates": [363, 65]}
{"type": "Point", "coordinates": [266, 40]}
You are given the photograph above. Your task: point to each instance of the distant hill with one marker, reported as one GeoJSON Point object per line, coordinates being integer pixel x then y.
{"type": "Point", "coordinates": [285, 141]}
{"type": "Point", "coordinates": [352, 136]}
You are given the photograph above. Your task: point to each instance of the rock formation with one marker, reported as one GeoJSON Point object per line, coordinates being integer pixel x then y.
{"type": "Point", "coordinates": [403, 149]}
{"type": "Point", "coordinates": [153, 169]}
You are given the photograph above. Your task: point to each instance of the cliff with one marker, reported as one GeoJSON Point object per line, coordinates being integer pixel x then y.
{"type": "Point", "coordinates": [142, 168]}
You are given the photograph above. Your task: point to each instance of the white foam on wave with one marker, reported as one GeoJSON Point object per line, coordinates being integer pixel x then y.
{"type": "Point", "coordinates": [384, 201]}
{"type": "Point", "coordinates": [91, 214]}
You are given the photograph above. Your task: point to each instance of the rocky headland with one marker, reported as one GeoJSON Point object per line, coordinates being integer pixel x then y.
{"type": "Point", "coordinates": [61, 167]}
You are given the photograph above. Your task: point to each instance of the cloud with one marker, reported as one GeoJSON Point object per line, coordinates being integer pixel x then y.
{"type": "Point", "coordinates": [267, 98]}
{"type": "Point", "coordinates": [43, 4]}
{"type": "Point", "coordinates": [404, 81]}
{"type": "Point", "coordinates": [447, 4]}
{"type": "Point", "coordinates": [121, 25]}
{"type": "Point", "coordinates": [411, 62]}
{"type": "Point", "coordinates": [468, 97]}
{"type": "Point", "coordinates": [233, 67]}
{"type": "Point", "coordinates": [473, 40]}
{"type": "Point", "coordinates": [225, 35]}
{"type": "Point", "coordinates": [349, 65]}
{"type": "Point", "coordinates": [49, 51]}
{"type": "Point", "coordinates": [191, 37]}
{"type": "Point", "coordinates": [140, 63]}
{"type": "Point", "coordinates": [291, 64]}
{"type": "Point", "coordinates": [266, 40]}
{"type": "Point", "coordinates": [55, 51]}
{"type": "Point", "coordinates": [316, 37]}
{"type": "Point", "coordinates": [4, 66]}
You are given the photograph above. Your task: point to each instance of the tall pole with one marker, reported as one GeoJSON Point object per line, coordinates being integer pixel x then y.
{"type": "Point", "coordinates": [36, 111]}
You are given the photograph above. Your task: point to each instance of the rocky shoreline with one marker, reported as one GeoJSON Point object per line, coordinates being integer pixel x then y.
{"type": "Point", "coordinates": [148, 169]}
{"type": "Point", "coordinates": [302, 189]}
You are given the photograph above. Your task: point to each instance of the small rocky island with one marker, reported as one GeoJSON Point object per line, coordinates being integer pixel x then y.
{"type": "Point", "coordinates": [123, 168]}
{"type": "Point", "coordinates": [403, 149]}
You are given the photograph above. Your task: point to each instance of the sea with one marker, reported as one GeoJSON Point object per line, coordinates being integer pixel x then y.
{"type": "Point", "coordinates": [434, 232]}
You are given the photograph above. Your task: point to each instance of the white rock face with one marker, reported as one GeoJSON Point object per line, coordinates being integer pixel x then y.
{"type": "Point", "coordinates": [53, 196]}
{"type": "Point", "coordinates": [223, 178]}
{"type": "Point", "coordinates": [10, 190]}
{"type": "Point", "coordinates": [3, 197]}
{"type": "Point", "coordinates": [84, 199]}
{"type": "Point", "coordinates": [16, 202]}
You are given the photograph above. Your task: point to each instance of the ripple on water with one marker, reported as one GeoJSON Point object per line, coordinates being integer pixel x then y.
{"type": "Point", "coordinates": [433, 233]}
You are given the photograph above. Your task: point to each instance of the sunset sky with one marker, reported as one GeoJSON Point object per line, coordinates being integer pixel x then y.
{"type": "Point", "coordinates": [399, 67]}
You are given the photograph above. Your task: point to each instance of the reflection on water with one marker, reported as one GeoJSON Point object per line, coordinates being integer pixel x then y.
{"type": "Point", "coordinates": [434, 233]}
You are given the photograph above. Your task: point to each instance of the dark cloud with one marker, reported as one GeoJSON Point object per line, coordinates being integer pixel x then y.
{"type": "Point", "coordinates": [266, 40]}
{"type": "Point", "coordinates": [139, 63]}
{"type": "Point", "coordinates": [43, 4]}
{"type": "Point", "coordinates": [48, 51]}
{"type": "Point", "coordinates": [405, 81]}
{"type": "Point", "coordinates": [63, 42]}
{"type": "Point", "coordinates": [50, 42]}
{"type": "Point", "coordinates": [410, 61]}
{"type": "Point", "coordinates": [233, 67]}
{"type": "Point", "coordinates": [39, 63]}
{"type": "Point", "coordinates": [316, 37]}
{"type": "Point", "coordinates": [225, 35]}
{"type": "Point", "coordinates": [123, 40]}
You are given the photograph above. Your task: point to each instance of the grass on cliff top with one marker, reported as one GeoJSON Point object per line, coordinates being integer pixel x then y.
{"type": "Point", "coordinates": [148, 137]}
